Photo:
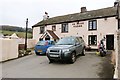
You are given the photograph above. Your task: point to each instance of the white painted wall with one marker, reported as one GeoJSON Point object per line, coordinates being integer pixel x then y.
{"type": "Point", "coordinates": [36, 33]}
{"type": "Point", "coordinates": [104, 27]}
{"type": "Point", "coordinates": [8, 49]}
{"type": "Point", "coordinates": [117, 58]}
{"type": "Point", "coordinates": [1, 71]}
{"type": "Point", "coordinates": [0, 49]}
{"type": "Point", "coordinates": [107, 27]}
{"type": "Point", "coordinates": [0, 60]}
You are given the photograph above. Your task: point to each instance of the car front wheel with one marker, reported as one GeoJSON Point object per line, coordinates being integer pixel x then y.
{"type": "Point", "coordinates": [83, 52]}
{"type": "Point", "coordinates": [51, 60]}
{"type": "Point", "coordinates": [73, 58]}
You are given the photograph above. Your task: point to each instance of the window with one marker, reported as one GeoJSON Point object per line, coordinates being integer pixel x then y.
{"type": "Point", "coordinates": [42, 30]}
{"type": "Point", "coordinates": [92, 25]}
{"type": "Point", "coordinates": [47, 37]}
{"type": "Point", "coordinates": [92, 39]}
{"type": "Point", "coordinates": [54, 28]}
{"type": "Point", "coordinates": [64, 28]}
{"type": "Point", "coordinates": [52, 43]}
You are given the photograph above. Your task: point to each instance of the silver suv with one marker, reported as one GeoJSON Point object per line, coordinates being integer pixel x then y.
{"type": "Point", "coordinates": [66, 49]}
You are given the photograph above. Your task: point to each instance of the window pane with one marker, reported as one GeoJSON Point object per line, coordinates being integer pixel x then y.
{"type": "Point", "coordinates": [92, 40]}
{"type": "Point", "coordinates": [90, 24]}
{"type": "Point", "coordinates": [42, 29]}
{"type": "Point", "coordinates": [62, 28]}
{"type": "Point", "coordinates": [89, 40]}
{"type": "Point", "coordinates": [65, 27]}
{"type": "Point", "coordinates": [94, 25]}
{"type": "Point", "coordinates": [54, 28]}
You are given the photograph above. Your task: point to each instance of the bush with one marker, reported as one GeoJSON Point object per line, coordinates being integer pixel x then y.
{"type": "Point", "coordinates": [24, 52]}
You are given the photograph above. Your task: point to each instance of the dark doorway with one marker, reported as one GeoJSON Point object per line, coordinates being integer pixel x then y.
{"type": "Point", "coordinates": [47, 37]}
{"type": "Point", "coordinates": [110, 42]}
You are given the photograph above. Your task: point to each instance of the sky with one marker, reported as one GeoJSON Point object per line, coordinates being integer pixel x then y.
{"type": "Point", "coordinates": [15, 12]}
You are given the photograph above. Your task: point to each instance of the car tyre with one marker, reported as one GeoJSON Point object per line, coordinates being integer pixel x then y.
{"type": "Point", "coordinates": [37, 54]}
{"type": "Point", "coordinates": [83, 52]}
{"type": "Point", "coordinates": [51, 60]}
{"type": "Point", "coordinates": [73, 58]}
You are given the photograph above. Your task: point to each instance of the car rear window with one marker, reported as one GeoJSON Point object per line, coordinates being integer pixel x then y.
{"type": "Point", "coordinates": [43, 43]}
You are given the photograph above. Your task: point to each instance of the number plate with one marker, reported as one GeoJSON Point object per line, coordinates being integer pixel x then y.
{"type": "Point", "coordinates": [54, 55]}
{"type": "Point", "coordinates": [39, 51]}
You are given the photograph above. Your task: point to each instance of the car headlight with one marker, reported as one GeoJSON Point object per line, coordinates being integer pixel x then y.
{"type": "Point", "coordinates": [48, 50]}
{"type": "Point", "coordinates": [65, 50]}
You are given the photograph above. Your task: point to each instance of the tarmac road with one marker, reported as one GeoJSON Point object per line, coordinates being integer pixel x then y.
{"type": "Point", "coordinates": [32, 66]}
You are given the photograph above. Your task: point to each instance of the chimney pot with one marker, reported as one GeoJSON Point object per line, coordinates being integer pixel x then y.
{"type": "Point", "coordinates": [45, 17]}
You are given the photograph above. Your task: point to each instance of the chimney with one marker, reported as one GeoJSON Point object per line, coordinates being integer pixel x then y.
{"type": "Point", "coordinates": [115, 4]}
{"type": "Point", "coordinates": [83, 9]}
{"type": "Point", "coordinates": [45, 17]}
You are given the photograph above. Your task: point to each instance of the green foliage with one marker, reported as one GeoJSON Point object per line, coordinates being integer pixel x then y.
{"type": "Point", "coordinates": [14, 28]}
{"type": "Point", "coordinates": [25, 52]}
{"type": "Point", "coordinates": [19, 34]}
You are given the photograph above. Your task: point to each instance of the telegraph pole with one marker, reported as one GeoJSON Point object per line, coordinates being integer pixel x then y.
{"type": "Point", "coordinates": [26, 34]}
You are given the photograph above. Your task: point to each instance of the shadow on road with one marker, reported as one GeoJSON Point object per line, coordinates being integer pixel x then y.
{"type": "Point", "coordinates": [107, 69]}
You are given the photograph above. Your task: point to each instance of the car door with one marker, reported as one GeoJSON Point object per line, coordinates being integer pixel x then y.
{"type": "Point", "coordinates": [81, 45]}
{"type": "Point", "coordinates": [78, 46]}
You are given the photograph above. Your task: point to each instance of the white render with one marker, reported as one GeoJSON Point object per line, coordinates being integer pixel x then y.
{"type": "Point", "coordinates": [36, 33]}
{"type": "Point", "coordinates": [8, 49]}
{"type": "Point", "coordinates": [105, 26]}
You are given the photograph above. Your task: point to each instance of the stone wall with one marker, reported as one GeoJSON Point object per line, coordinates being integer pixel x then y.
{"type": "Point", "coordinates": [30, 42]}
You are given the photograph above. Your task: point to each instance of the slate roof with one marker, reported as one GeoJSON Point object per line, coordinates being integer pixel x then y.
{"type": "Point", "coordinates": [100, 13]}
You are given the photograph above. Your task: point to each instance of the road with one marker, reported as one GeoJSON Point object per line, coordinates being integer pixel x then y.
{"type": "Point", "coordinates": [32, 66]}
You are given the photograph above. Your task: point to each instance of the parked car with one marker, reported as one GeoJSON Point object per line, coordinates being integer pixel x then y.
{"type": "Point", "coordinates": [66, 49]}
{"type": "Point", "coordinates": [41, 46]}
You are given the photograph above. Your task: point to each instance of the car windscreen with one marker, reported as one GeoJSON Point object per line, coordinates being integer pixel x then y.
{"type": "Point", "coordinates": [66, 41]}
{"type": "Point", "coordinates": [42, 43]}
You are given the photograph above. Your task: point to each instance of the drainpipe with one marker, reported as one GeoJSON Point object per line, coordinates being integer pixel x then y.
{"type": "Point", "coordinates": [118, 15]}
